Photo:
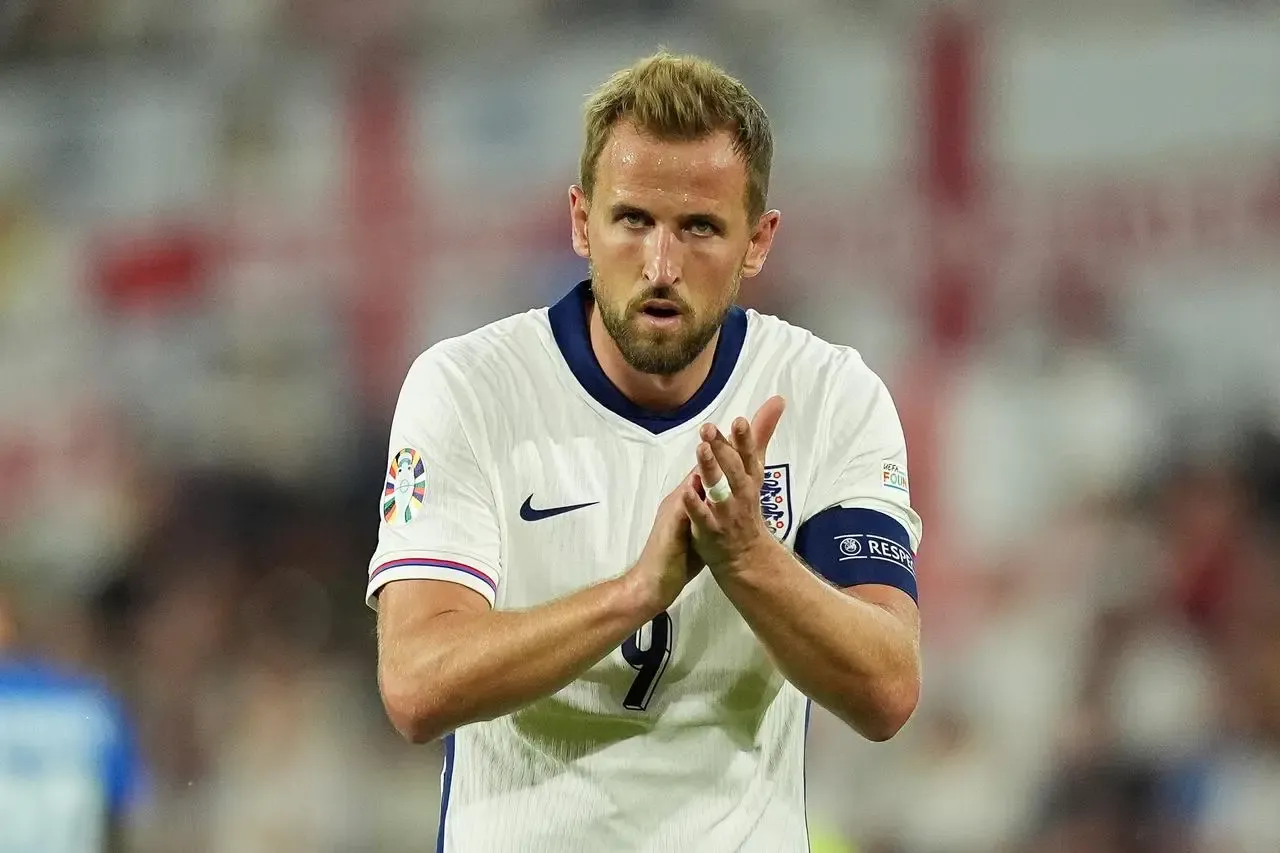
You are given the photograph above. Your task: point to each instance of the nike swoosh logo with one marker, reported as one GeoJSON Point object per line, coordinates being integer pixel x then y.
{"type": "Point", "coordinates": [528, 513]}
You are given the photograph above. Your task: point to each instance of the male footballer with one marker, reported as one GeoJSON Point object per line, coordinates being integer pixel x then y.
{"type": "Point", "coordinates": [627, 539]}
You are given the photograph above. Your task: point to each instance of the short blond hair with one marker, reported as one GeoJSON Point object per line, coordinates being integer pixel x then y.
{"type": "Point", "coordinates": [681, 98]}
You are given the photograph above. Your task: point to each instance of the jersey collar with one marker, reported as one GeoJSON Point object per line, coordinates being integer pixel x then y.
{"type": "Point", "coordinates": [569, 327]}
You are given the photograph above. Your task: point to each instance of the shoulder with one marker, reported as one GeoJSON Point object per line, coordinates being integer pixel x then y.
{"type": "Point", "coordinates": [809, 363]}
{"type": "Point", "coordinates": [39, 676]}
{"type": "Point", "coordinates": [84, 695]}
{"type": "Point", "coordinates": [487, 356]}
{"type": "Point", "coordinates": [504, 341]}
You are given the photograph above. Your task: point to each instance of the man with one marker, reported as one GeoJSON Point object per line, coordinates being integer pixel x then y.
{"type": "Point", "coordinates": [69, 769]}
{"type": "Point", "coordinates": [597, 590]}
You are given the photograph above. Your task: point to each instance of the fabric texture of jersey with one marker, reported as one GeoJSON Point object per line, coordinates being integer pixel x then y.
{"type": "Point", "coordinates": [517, 470]}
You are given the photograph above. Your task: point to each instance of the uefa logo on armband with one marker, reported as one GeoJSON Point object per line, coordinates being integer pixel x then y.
{"type": "Point", "coordinates": [406, 486]}
{"type": "Point", "coordinates": [775, 500]}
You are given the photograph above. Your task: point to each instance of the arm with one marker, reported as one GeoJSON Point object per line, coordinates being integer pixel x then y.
{"type": "Point", "coordinates": [445, 659]}
{"type": "Point", "coordinates": [848, 633]}
{"type": "Point", "coordinates": [855, 651]}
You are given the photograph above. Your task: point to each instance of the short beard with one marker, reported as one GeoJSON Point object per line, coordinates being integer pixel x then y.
{"type": "Point", "coordinates": [663, 357]}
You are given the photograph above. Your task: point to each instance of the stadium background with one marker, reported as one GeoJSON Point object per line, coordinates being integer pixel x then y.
{"type": "Point", "coordinates": [226, 227]}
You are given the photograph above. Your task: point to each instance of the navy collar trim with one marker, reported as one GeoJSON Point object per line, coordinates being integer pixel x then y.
{"type": "Point", "coordinates": [572, 335]}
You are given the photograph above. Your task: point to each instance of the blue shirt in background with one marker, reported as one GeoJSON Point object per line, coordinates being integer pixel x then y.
{"type": "Point", "coordinates": [69, 765]}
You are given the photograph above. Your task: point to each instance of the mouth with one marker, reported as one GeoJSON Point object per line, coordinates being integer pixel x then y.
{"type": "Point", "coordinates": [660, 309]}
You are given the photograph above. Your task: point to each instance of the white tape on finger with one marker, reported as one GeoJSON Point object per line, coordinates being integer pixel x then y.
{"type": "Point", "coordinates": [720, 492]}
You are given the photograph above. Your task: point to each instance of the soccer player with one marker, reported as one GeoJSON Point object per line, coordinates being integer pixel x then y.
{"type": "Point", "coordinates": [610, 592]}
{"type": "Point", "coordinates": [69, 767]}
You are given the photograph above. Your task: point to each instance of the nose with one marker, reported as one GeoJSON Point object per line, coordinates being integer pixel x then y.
{"type": "Point", "coordinates": [663, 257]}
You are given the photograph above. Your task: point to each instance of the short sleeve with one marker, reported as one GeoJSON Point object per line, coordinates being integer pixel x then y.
{"type": "Point", "coordinates": [858, 525]}
{"type": "Point", "coordinates": [437, 518]}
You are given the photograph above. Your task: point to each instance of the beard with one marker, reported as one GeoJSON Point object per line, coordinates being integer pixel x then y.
{"type": "Point", "coordinates": [658, 352]}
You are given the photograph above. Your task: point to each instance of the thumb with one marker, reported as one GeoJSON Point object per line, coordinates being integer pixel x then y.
{"type": "Point", "coordinates": [765, 423]}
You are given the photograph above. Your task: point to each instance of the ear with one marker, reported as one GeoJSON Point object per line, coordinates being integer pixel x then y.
{"type": "Point", "coordinates": [761, 242]}
{"type": "Point", "coordinates": [579, 210]}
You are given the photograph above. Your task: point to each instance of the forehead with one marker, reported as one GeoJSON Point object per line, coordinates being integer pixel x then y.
{"type": "Point", "coordinates": [640, 169]}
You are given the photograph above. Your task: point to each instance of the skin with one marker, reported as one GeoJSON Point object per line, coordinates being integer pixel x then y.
{"type": "Point", "coordinates": [855, 651]}
{"type": "Point", "coordinates": [668, 221]}
{"type": "Point", "coordinates": [667, 227]}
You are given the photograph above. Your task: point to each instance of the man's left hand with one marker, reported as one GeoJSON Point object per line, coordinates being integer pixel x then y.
{"type": "Point", "coordinates": [727, 532]}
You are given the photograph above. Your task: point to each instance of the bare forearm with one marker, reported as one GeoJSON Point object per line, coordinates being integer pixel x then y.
{"type": "Point", "coordinates": [855, 658]}
{"type": "Point", "coordinates": [462, 667]}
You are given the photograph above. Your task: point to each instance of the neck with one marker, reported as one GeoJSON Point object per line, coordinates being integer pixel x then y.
{"type": "Point", "coordinates": [648, 390]}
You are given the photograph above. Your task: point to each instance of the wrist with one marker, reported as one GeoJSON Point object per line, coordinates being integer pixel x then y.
{"type": "Point", "coordinates": [638, 596]}
{"type": "Point", "coordinates": [752, 557]}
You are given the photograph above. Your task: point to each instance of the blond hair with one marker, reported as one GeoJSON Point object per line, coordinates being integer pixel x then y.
{"type": "Point", "coordinates": [681, 98]}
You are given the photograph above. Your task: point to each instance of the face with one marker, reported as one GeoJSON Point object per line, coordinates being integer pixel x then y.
{"type": "Point", "coordinates": [669, 241]}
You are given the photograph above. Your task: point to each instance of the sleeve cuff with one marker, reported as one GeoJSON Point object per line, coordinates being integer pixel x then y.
{"type": "Point", "coordinates": [465, 571]}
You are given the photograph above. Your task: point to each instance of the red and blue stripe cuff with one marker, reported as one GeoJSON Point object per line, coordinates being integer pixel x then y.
{"type": "Point", "coordinates": [432, 563]}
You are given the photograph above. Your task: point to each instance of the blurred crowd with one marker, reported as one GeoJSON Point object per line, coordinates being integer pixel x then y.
{"type": "Point", "coordinates": [1114, 685]}
{"type": "Point", "coordinates": [190, 456]}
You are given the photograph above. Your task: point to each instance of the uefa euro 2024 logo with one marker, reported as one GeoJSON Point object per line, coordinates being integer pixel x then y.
{"type": "Point", "coordinates": [405, 487]}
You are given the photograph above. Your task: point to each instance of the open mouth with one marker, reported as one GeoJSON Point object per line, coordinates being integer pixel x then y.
{"type": "Point", "coordinates": [660, 308]}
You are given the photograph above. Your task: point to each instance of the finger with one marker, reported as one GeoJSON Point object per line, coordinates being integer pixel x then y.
{"type": "Point", "coordinates": [726, 456]}
{"type": "Point", "coordinates": [744, 442]}
{"type": "Point", "coordinates": [708, 468]}
{"type": "Point", "coordinates": [672, 502]}
{"type": "Point", "coordinates": [699, 487]}
{"type": "Point", "coordinates": [765, 423]}
{"type": "Point", "coordinates": [699, 511]}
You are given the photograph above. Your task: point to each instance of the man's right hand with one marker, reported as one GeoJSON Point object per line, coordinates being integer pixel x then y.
{"type": "Point", "coordinates": [669, 560]}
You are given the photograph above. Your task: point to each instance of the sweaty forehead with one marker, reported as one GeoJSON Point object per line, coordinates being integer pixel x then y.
{"type": "Point", "coordinates": [636, 167]}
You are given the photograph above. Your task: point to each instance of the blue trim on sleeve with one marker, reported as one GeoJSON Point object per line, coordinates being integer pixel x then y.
{"type": "Point", "coordinates": [858, 546]}
{"type": "Point", "coordinates": [569, 326]}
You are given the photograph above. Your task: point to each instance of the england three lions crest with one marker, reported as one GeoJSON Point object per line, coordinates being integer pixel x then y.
{"type": "Point", "coordinates": [775, 500]}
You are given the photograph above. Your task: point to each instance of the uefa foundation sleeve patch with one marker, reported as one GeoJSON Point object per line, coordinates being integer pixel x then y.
{"type": "Point", "coordinates": [894, 476]}
{"type": "Point", "coordinates": [405, 488]}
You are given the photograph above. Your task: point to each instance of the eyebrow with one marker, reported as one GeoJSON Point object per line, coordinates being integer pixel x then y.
{"type": "Point", "coordinates": [622, 209]}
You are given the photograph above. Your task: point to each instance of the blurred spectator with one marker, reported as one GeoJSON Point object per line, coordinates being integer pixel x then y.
{"type": "Point", "coordinates": [1045, 418]}
{"type": "Point", "coordinates": [70, 774]}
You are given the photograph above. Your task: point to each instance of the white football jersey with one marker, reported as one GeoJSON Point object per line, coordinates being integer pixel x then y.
{"type": "Point", "coordinates": [519, 471]}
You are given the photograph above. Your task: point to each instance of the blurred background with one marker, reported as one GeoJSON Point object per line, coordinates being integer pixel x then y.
{"type": "Point", "coordinates": [1054, 229]}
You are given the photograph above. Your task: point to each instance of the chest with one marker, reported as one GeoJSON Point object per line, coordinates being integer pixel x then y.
{"type": "Point", "coordinates": [577, 495]}
{"type": "Point", "coordinates": [578, 509]}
